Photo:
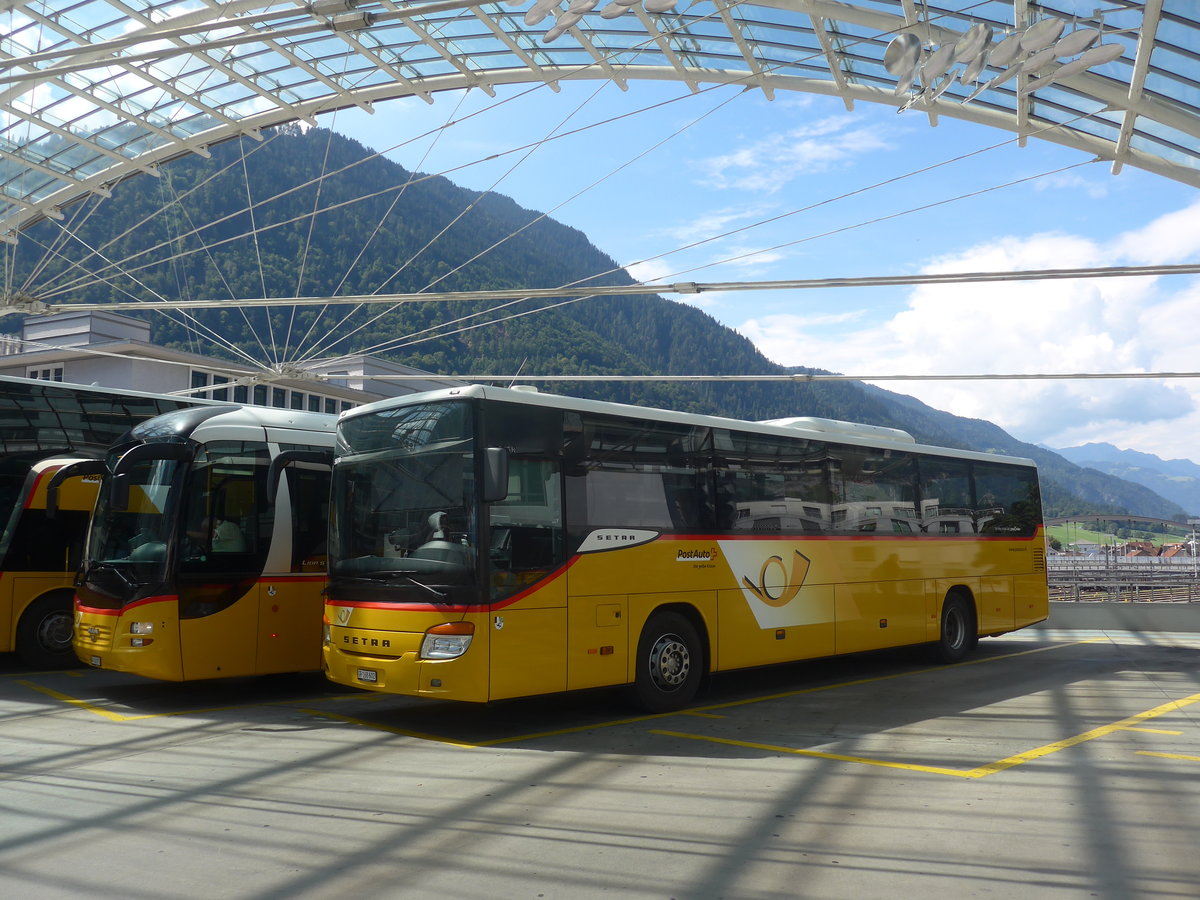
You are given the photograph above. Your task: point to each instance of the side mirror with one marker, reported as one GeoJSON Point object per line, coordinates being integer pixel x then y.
{"type": "Point", "coordinates": [71, 470]}
{"type": "Point", "coordinates": [287, 458]}
{"type": "Point", "coordinates": [119, 494]}
{"type": "Point", "coordinates": [495, 474]}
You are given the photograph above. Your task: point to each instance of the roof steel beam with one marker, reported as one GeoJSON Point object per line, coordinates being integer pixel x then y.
{"type": "Point", "coordinates": [1137, 80]}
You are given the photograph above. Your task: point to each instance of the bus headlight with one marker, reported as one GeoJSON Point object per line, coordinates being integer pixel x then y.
{"type": "Point", "coordinates": [141, 628]}
{"type": "Point", "coordinates": [448, 641]}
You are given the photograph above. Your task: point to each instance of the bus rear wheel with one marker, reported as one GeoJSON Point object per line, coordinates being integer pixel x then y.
{"type": "Point", "coordinates": [45, 632]}
{"type": "Point", "coordinates": [670, 663]}
{"type": "Point", "coordinates": [958, 637]}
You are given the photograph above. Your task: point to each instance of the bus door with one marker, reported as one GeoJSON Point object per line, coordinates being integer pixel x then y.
{"type": "Point", "coordinates": [226, 537]}
{"type": "Point", "coordinates": [290, 599]}
{"type": "Point", "coordinates": [40, 550]}
{"type": "Point", "coordinates": [527, 623]}
{"type": "Point", "coordinates": [638, 495]}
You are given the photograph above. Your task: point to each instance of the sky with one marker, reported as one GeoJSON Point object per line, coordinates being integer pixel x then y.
{"type": "Point", "coordinates": [804, 188]}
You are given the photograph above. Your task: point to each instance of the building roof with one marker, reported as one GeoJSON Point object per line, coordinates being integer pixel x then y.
{"type": "Point", "coordinates": [95, 91]}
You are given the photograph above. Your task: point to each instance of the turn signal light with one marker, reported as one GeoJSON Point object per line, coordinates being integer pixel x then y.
{"type": "Point", "coordinates": [448, 641]}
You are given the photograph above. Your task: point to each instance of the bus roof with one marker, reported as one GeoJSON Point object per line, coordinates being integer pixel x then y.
{"type": "Point", "coordinates": [187, 420]}
{"type": "Point", "coordinates": [56, 416]}
{"type": "Point", "coordinates": [827, 430]}
{"type": "Point", "coordinates": [96, 390]}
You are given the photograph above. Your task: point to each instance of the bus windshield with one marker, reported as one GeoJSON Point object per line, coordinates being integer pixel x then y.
{"type": "Point", "coordinates": [404, 489]}
{"type": "Point", "coordinates": [128, 547]}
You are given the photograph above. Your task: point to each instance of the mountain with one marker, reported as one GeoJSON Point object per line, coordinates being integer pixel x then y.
{"type": "Point", "coordinates": [1176, 479]}
{"type": "Point", "coordinates": [190, 234]}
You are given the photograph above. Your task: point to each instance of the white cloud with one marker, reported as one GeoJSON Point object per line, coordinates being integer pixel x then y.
{"type": "Point", "coordinates": [1074, 182]}
{"type": "Point", "coordinates": [1100, 325]}
{"type": "Point", "coordinates": [717, 221]}
{"type": "Point", "coordinates": [768, 164]}
{"type": "Point", "coordinates": [652, 271]}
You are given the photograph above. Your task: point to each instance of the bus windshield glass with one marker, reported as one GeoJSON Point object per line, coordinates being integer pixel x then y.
{"type": "Point", "coordinates": [130, 544]}
{"type": "Point", "coordinates": [404, 488]}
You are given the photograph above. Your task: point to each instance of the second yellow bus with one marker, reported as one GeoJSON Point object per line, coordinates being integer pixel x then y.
{"type": "Point", "coordinates": [492, 543]}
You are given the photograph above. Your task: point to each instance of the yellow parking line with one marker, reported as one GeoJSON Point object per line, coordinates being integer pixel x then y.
{"type": "Point", "coordinates": [709, 711]}
{"type": "Point", "coordinates": [872, 680]}
{"type": "Point", "coordinates": [1102, 731]}
{"type": "Point", "coordinates": [774, 748]}
{"type": "Point", "coordinates": [1155, 731]}
{"type": "Point", "coordinates": [119, 717]}
{"type": "Point", "coordinates": [1169, 755]}
{"type": "Point", "coordinates": [82, 704]}
{"type": "Point", "coordinates": [350, 720]}
{"type": "Point", "coordinates": [983, 771]}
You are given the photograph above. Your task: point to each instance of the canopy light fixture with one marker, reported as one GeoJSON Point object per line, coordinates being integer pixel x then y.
{"type": "Point", "coordinates": [577, 9]}
{"type": "Point", "coordinates": [1041, 48]}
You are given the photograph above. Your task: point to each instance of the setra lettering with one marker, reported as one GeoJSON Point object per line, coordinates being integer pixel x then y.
{"type": "Point", "coordinates": [366, 642]}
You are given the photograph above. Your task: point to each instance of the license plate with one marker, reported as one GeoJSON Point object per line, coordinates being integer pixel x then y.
{"type": "Point", "coordinates": [368, 675]}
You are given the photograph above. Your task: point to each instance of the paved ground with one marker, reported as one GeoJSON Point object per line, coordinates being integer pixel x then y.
{"type": "Point", "coordinates": [1054, 764]}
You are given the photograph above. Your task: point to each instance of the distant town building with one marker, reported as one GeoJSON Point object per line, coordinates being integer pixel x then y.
{"type": "Point", "coordinates": [114, 350]}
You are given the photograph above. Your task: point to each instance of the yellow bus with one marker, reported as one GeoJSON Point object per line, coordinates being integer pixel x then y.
{"type": "Point", "coordinates": [44, 426]}
{"type": "Point", "coordinates": [206, 555]}
{"type": "Point", "coordinates": [491, 543]}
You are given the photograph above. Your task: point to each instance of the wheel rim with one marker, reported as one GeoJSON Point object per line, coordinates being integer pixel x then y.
{"type": "Point", "coordinates": [670, 662]}
{"type": "Point", "coordinates": [54, 633]}
{"type": "Point", "coordinates": [955, 630]}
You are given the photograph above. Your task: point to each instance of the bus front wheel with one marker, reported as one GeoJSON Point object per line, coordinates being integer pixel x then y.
{"type": "Point", "coordinates": [670, 663]}
{"type": "Point", "coordinates": [45, 632]}
{"type": "Point", "coordinates": [957, 637]}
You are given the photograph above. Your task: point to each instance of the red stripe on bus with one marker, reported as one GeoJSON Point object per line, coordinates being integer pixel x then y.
{"type": "Point", "coordinates": [462, 607]}
{"type": "Point", "coordinates": [164, 598]}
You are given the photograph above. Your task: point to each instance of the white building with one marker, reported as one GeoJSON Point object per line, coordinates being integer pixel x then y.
{"type": "Point", "coordinates": [115, 351]}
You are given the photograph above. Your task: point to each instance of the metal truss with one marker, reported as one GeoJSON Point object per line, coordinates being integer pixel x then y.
{"type": "Point", "coordinates": [95, 91]}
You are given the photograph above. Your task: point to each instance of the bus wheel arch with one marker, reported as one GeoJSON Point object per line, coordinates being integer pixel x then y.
{"type": "Point", "coordinates": [958, 626]}
{"type": "Point", "coordinates": [672, 658]}
{"type": "Point", "coordinates": [45, 631]}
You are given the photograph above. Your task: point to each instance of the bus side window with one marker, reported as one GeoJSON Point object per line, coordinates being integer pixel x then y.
{"type": "Point", "coordinates": [309, 492]}
{"type": "Point", "coordinates": [874, 491]}
{"type": "Point", "coordinates": [768, 484]}
{"type": "Point", "coordinates": [526, 527]}
{"type": "Point", "coordinates": [641, 475]}
{"type": "Point", "coordinates": [1007, 500]}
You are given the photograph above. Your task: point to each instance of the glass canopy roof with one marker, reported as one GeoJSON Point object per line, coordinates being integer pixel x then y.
{"type": "Point", "coordinates": [95, 91]}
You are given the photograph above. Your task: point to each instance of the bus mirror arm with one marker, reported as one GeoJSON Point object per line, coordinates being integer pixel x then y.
{"type": "Point", "coordinates": [287, 457]}
{"type": "Point", "coordinates": [71, 470]}
{"type": "Point", "coordinates": [495, 474]}
{"type": "Point", "coordinates": [119, 497]}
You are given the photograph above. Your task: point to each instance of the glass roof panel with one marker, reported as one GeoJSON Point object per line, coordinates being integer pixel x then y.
{"type": "Point", "coordinates": [99, 89]}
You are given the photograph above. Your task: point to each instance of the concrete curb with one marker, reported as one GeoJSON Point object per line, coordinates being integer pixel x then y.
{"type": "Point", "coordinates": [1111, 616]}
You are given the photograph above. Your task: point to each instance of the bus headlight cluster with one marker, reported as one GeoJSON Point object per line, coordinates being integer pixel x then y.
{"type": "Point", "coordinates": [141, 628]}
{"type": "Point", "coordinates": [448, 641]}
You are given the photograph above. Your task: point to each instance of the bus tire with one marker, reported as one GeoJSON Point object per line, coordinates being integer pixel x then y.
{"type": "Point", "coordinates": [957, 637]}
{"type": "Point", "coordinates": [45, 632]}
{"type": "Point", "coordinates": [670, 663]}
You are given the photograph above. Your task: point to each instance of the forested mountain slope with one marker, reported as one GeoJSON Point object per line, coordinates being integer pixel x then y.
{"type": "Point", "coordinates": [411, 234]}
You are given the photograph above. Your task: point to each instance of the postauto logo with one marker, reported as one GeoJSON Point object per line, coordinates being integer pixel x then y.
{"type": "Point", "coordinates": [770, 576]}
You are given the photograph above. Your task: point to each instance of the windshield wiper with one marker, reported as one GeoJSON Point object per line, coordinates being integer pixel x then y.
{"type": "Point", "coordinates": [392, 574]}
{"type": "Point", "coordinates": [109, 567]}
